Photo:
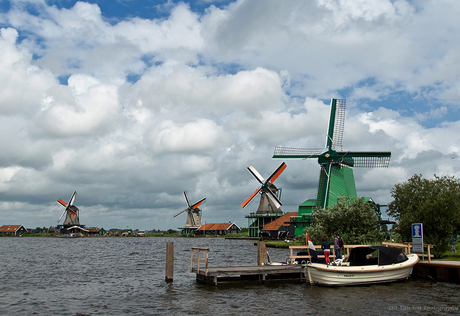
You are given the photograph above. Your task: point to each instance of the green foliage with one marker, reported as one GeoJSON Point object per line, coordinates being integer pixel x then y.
{"type": "Point", "coordinates": [353, 218]}
{"type": "Point", "coordinates": [433, 202]}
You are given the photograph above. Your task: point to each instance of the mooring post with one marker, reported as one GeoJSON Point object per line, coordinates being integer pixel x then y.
{"type": "Point", "coordinates": [169, 261]}
{"type": "Point", "coordinates": [261, 253]}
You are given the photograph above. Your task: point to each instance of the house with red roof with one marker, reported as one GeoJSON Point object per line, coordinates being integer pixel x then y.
{"type": "Point", "coordinates": [280, 228]}
{"type": "Point", "coordinates": [218, 229]}
{"type": "Point", "coordinates": [13, 230]}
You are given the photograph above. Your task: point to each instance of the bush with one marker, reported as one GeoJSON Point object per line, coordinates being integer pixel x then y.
{"type": "Point", "coordinates": [354, 219]}
{"type": "Point", "coordinates": [433, 202]}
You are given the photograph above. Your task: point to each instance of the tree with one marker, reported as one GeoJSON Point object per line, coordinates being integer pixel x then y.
{"type": "Point", "coordinates": [433, 202]}
{"type": "Point", "coordinates": [354, 219]}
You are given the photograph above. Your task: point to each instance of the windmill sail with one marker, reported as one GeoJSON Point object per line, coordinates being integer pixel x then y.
{"type": "Point", "coordinates": [339, 122]}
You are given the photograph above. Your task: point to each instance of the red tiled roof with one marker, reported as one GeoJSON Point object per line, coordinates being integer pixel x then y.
{"type": "Point", "coordinates": [217, 226]}
{"type": "Point", "coordinates": [275, 225]}
{"type": "Point", "coordinates": [9, 228]}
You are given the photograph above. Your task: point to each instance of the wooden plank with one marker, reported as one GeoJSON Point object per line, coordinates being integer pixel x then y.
{"type": "Point", "coordinates": [250, 270]}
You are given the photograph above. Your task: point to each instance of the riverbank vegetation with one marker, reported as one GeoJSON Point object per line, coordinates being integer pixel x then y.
{"type": "Point", "coordinates": [433, 202]}
{"type": "Point", "coordinates": [355, 219]}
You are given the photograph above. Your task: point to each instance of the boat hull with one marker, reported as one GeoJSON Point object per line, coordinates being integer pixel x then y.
{"type": "Point", "coordinates": [330, 275]}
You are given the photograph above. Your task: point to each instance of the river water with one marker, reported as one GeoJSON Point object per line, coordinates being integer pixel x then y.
{"type": "Point", "coordinates": [126, 276]}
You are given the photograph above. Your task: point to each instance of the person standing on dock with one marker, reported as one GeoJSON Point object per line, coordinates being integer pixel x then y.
{"type": "Point", "coordinates": [311, 250]}
{"type": "Point", "coordinates": [337, 248]}
{"type": "Point", "coordinates": [326, 247]}
{"type": "Point", "coordinates": [452, 245]}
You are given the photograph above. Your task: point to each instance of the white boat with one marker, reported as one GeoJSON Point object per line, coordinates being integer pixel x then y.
{"type": "Point", "coordinates": [365, 265]}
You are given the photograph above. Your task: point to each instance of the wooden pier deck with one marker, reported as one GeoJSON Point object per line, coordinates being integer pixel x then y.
{"type": "Point", "coordinates": [258, 273]}
{"type": "Point", "coordinates": [263, 273]}
{"type": "Point", "coordinates": [438, 271]}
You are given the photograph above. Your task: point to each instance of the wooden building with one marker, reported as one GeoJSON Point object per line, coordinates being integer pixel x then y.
{"type": "Point", "coordinates": [95, 231]}
{"type": "Point", "coordinates": [13, 230]}
{"type": "Point", "coordinates": [280, 227]}
{"type": "Point", "coordinates": [218, 229]}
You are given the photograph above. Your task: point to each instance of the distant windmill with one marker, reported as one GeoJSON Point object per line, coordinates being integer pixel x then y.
{"type": "Point", "coordinates": [193, 214]}
{"type": "Point", "coordinates": [269, 201]}
{"type": "Point", "coordinates": [336, 174]}
{"type": "Point", "coordinates": [71, 212]}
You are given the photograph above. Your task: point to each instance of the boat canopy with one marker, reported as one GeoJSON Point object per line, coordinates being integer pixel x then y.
{"type": "Point", "coordinates": [386, 255]}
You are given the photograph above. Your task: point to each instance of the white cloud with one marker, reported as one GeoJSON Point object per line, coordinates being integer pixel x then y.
{"type": "Point", "coordinates": [174, 85]}
{"type": "Point", "coordinates": [192, 137]}
{"type": "Point", "coordinates": [22, 84]}
{"type": "Point", "coordinates": [81, 108]}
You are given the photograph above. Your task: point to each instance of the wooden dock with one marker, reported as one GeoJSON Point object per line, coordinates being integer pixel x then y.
{"type": "Point", "coordinates": [250, 273]}
{"type": "Point", "coordinates": [258, 273]}
{"type": "Point", "coordinates": [438, 271]}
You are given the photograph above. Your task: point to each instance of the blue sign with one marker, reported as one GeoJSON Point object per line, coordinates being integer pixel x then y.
{"type": "Point", "coordinates": [417, 231]}
{"type": "Point", "coordinates": [417, 238]}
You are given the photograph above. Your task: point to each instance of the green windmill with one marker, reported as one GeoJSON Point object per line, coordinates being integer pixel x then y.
{"type": "Point", "coordinates": [336, 175]}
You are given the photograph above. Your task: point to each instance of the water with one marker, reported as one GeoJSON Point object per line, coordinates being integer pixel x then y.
{"type": "Point", "coordinates": [125, 276]}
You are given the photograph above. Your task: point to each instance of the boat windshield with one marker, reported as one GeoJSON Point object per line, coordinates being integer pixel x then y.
{"type": "Point", "coordinates": [375, 255]}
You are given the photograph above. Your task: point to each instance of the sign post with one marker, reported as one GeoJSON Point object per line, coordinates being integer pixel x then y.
{"type": "Point", "coordinates": [417, 238]}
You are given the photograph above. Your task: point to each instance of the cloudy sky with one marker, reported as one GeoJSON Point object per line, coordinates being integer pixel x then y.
{"type": "Point", "coordinates": [132, 102]}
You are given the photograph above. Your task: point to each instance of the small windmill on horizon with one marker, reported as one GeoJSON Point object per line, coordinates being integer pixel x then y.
{"type": "Point", "coordinates": [193, 221]}
{"type": "Point", "coordinates": [72, 216]}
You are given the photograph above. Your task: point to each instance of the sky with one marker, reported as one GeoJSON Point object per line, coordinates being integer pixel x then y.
{"type": "Point", "coordinates": [130, 103]}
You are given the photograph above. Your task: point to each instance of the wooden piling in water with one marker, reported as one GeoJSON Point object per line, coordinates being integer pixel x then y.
{"type": "Point", "coordinates": [261, 253]}
{"type": "Point", "coordinates": [169, 262]}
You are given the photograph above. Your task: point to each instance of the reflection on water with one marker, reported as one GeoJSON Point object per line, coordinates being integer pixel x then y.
{"type": "Point", "coordinates": [125, 276]}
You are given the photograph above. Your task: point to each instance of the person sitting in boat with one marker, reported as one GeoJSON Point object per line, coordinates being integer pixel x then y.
{"type": "Point", "coordinates": [326, 247]}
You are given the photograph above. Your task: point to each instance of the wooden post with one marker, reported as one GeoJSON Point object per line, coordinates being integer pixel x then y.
{"type": "Point", "coordinates": [169, 261]}
{"type": "Point", "coordinates": [261, 253]}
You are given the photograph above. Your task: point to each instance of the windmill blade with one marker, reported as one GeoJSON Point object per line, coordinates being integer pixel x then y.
{"type": "Point", "coordinates": [194, 206]}
{"type": "Point", "coordinates": [186, 198]}
{"type": "Point", "coordinates": [256, 174]}
{"type": "Point", "coordinates": [276, 173]}
{"type": "Point", "coordinates": [336, 122]}
{"type": "Point", "coordinates": [72, 199]}
{"type": "Point", "coordinates": [181, 212]}
{"type": "Point", "coordinates": [62, 202]}
{"type": "Point", "coordinates": [62, 215]}
{"type": "Point", "coordinates": [290, 152]}
{"type": "Point", "coordinates": [250, 198]}
{"type": "Point", "coordinates": [339, 123]}
{"type": "Point", "coordinates": [272, 196]}
{"type": "Point", "coordinates": [366, 159]}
